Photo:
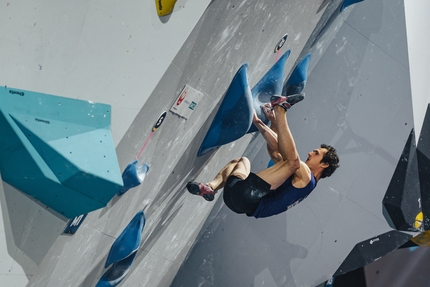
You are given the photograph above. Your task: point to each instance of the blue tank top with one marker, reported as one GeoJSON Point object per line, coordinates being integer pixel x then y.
{"type": "Point", "coordinates": [283, 198]}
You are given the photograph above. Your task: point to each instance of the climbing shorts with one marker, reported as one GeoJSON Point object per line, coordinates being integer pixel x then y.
{"type": "Point", "coordinates": [243, 195]}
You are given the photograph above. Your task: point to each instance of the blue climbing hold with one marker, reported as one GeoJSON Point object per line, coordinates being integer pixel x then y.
{"type": "Point", "coordinates": [269, 85]}
{"type": "Point", "coordinates": [114, 275]}
{"type": "Point", "coordinates": [128, 241]}
{"type": "Point", "coordinates": [234, 116]}
{"type": "Point", "coordinates": [133, 175]}
{"type": "Point", "coordinates": [122, 252]}
{"type": "Point", "coordinates": [347, 3]}
{"type": "Point", "coordinates": [297, 81]}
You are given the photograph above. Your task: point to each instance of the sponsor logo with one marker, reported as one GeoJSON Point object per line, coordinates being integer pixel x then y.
{"type": "Point", "coordinates": [159, 121]}
{"type": "Point", "coordinates": [296, 202]}
{"type": "Point", "coordinates": [293, 204]}
{"type": "Point", "coordinates": [73, 224]}
{"type": "Point", "coordinates": [16, 93]}
{"type": "Point", "coordinates": [77, 220]}
{"type": "Point", "coordinates": [281, 43]}
{"type": "Point", "coordinates": [181, 97]}
{"type": "Point", "coordinates": [41, 121]}
{"type": "Point", "coordinates": [192, 106]}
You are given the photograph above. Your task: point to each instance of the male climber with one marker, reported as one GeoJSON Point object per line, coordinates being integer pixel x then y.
{"type": "Point", "coordinates": [279, 187]}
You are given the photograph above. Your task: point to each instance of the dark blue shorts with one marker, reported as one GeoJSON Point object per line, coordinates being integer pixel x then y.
{"type": "Point", "coordinates": [243, 195]}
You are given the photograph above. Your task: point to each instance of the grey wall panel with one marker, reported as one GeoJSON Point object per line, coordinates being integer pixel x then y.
{"type": "Point", "coordinates": [230, 34]}
{"type": "Point", "coordinates": [22, 235]}
{"type": "Point", "coordinates": [351, 224]}
{"type": "Point", "coordinates": [383, 23]}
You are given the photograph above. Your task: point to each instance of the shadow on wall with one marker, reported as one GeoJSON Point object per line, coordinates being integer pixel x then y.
{"type": "Point", "coordinates": [245, 242]}
{"type": "Point", "coordinates": [26, 226]}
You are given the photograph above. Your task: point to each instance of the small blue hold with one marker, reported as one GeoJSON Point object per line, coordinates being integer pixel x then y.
{"type": "Point", "coordinates": [128, 241]}
{"type": "Point", "coordinates": [122, 252]}
{"type": "Point", "coordinates": [347, 3]}
{"type": "Point", "coordinates": [234, 116]}
{"type": "Point", "coordinates": [270, 84]}
{"type": "Point", "coordinates": [118, 271]}
{"type": "Point", "coordinates": [133, 175]}
{"type": "Point", "coordinates": [297, 81]}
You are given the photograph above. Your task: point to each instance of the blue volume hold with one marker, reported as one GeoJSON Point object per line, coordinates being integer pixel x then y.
{"type": "Point", "coordinates": [133, 176]}
{"type": "Point", "coordinates": [117, 272]}
{"type": "Point", "coordinates": [128, 241]}
{"type": "Point", "coordinates": [297, 81]}
{"type": "Point", "coordinates": [269, 85]}
{"type": "Point", "coordinates": [123, 252]}
{"type": "Point", "coordinates": [234, 116]}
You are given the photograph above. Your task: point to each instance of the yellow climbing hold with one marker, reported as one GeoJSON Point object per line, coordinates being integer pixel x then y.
{"type": "Point", "coordinates": [164, 7]}
{"type": "Point", "coordinates": [418, 220]}
{"type": "Point", "coordinates": [422, 239]}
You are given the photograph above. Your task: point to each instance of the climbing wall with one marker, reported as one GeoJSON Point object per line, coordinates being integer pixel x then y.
{"type": "Point", "coordinates": [358, 99]}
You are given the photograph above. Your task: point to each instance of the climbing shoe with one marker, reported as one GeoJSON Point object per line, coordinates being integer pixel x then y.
{"type": "Point", "coordinates": [201, 189]}
{"type": "Point", "coordinates": [286, 102]}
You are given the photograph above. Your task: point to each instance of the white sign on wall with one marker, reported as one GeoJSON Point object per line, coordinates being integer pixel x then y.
{"type": "Point", "coordinates": [186, 102]}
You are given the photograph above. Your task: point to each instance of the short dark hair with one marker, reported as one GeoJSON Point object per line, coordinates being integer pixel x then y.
{"type": "Point", "coordinates": [331, 158]}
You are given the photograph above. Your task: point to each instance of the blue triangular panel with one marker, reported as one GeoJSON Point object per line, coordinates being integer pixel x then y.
{"type": "Point", "coordinates": [297, 81]}
{"type": "Point", "coordinates": [117, 272]}
{"type": "Point", "coordinates": [58, 150]}
{"type": "Point", "coordinates": [234, 116]}
{"type": "Point", "coordinates": [128, 241]}
{"type": "Point", "coordinates": [269, 85]}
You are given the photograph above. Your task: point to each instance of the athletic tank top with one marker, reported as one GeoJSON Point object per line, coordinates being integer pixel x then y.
{"type": "Point", "coordinates": [283, 198]}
